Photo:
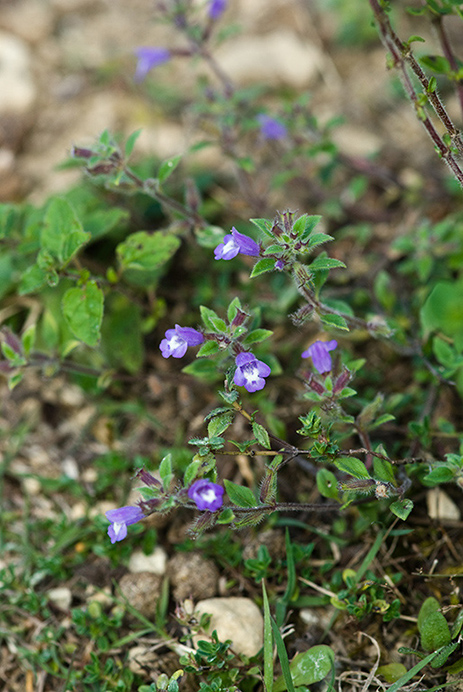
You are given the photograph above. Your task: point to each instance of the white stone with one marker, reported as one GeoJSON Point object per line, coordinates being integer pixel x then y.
{"type": "Point", "coordinates": [276, 56]}
{"type": "Point", "coordinates": [140, 658]}
{"type": "Point", "coordinates": [31, 20]}
{"type": "Point", "coordinates": [355, 141]}
{"type": "Point", "coordinates": [31, 486]}
{"type": "Point", "coordinates": [17, 87]}
{"type": "Point", "coordinates": [235, 618]}
{"type": "Point", "coordinates": [440, 506]}
{"type": "Point", "coordinates": [155, 563]}
{"type": "Point", "coordinates": [61, 597]}
{"type": "Point", "coordinates": [309, 617]}
{"type": "Point", "coordinates": [70, 468]}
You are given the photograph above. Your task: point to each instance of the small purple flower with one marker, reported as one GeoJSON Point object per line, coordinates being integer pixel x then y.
{"type": "Point", "coordinates": [206, 495]}
{"type": "Point", "coordinates": [120, 519]}
{"type": "Point", "coordinates": [236, 242]}
{"type": "Point", "coordinates": [279, 265]}
{"type": "Point", "coordinates": [319, 352]}
{"type": "Point", "coordinates": [177, 341]}
{"type": "Point", "coordinates": [216, 7]}
{"type": "Point", "coordinates": [271, 128]}
{"type": "Point", "coordinates": [250, 372]}
{"type": "Point", "coordinates": [148, 58]}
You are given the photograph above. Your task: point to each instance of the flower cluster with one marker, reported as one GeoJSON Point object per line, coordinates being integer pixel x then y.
{"type": "Point", "coordinates": [207, 496]}
{"type": "Point", "coordinates": [177, 341]}
{"type": "Point", "coordinates": [250, 372]}
{"type": "Point", "coordinates": [271, 128]}
{"type": "Point", "coordinates": [149, 57]}
{"type": "Point", "coordinates": [236, 242]}
{"type": "Point", "coordinates": [216, 8]}
{"type": "Point", "coordinates": [319, 352]}
{"type": "Point", "coordinates": [121, 518]}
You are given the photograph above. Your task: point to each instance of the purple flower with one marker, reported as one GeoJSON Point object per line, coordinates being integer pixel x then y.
{"type": "Point", "coordinates": [177, 341]}
{"type": "Point", "coordinates": [271, 128]}
{"type": "Point", "coordinates": [279, 265]}
{"type": "Point", "coordinates": [120, 519]}
{"type": "Point", "coordinates": [148, 58]}
{"type": "Point", "coordinates": [206, 495]}
{"type": "Point", "coordinates": [216, 7]}
{"type": "Point", "coordinates": [319, 352]}
{"type": "Point", "coordinates": [236, 242]}
{"type": "Point", "coordinates": [250, 372]}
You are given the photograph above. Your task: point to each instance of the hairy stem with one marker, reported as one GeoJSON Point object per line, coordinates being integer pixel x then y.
{"type": "Point", "coordinates": [401, 56]}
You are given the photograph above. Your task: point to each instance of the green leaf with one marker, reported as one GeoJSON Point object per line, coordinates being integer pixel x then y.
{"type": "Point", "coordinates": [256, 336]}
{"type": "Point", "coordinates": [434, 631]}
{"type": "Point", "coordinates": [209, 236]}
{"type": "Point", "coordinates": [263, 225]}
{"type": "Point", "coordinates": [233, 308]}
{"type": "Point", "coordinates": [226, 516]}
{"type": "Point", "coordinates": [122, 318]}
{"type": "Point", "coordinates": [266, 264]}
{"type": "Point", "coordinates": [318, 239]}
{"type": "Point", "coordinates": [209, 348]}
{"type": "Point", "coordinates": [401, 508]}
{"type": "Point", "coordinates": [219, 423]}
{"type": "Point", "coordinates": [14, 379]}
{"type": "Point", "coordinates": [32, 279]}
{"type": "Point", "coordinates": [239, 495]}
{"type": "Point", "coordinates": [130, 142]}
{"type": "Point", "coordinates": [100, 222]}
{"type": "Point", "coordinates": [327, 484]}
{"type": "Point", "coordinates": [28, 339]}
{"type": "Point", "coordinates": [13, 356]}
{"type": "Point", "coordinates": [142, 255]}
{"type": "Point", "coordinates": [383, 470]}
{"type": "Point", "coordinates": [334, 321]}
{"type": "Point", "coordinates": [261, 435]}
{"type": "Point", "coordinates": [432, 85]}
{"type": "Point", "coordinates": [165, 471]}
{"type": "Point", "coordinates": [430, 605]}
{"type": "Point", "coordinates": [457, 625]}
{"type": "Point", "coordinates": [62, 234]}
{"type": "Point", "coordinates": [211, 320]}
{"type": "Point", "coordinates": [443, 310]}
{"type": "Point", "coordinates": [191, 472]}
{"type": "Point", "coordinates": [82, 308]}
{"type": "Point", "coordinates": [308, 667]}
{"type": "Point", "coordinates": [384, 418]}
{"type": "Point", "coordinates": [444, 353]}
{"type": "Point", "coordinates": [304, 225]}
{"type": "Point", "coordinates": [436, 63]}
{"type": "Point", "coordinates": [323, 262]}
{"type": "Point", "coordinates": [168, 167]}
{"type": "Point", "coordinates": [441, 474]}
{"type": "Point", "coordinates": [203, 369]}
{"type": "Point", "coordinates": [354, 467]}
{"type": "Point", "coordinates": [273, 249]}
{"type": "Point", "coordinates": [391, 671]}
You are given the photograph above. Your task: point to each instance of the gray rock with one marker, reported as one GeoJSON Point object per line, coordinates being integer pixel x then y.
{"type": "Point", "coordinates": [192, 576]}
{"type": "Point", "coordinates": [277, 56]}
{"type": "Point", "coordinates": [142, 590]}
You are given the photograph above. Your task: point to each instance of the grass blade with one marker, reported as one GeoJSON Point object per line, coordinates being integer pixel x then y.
{"type": "Point", "coordinates": [268, 643]}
